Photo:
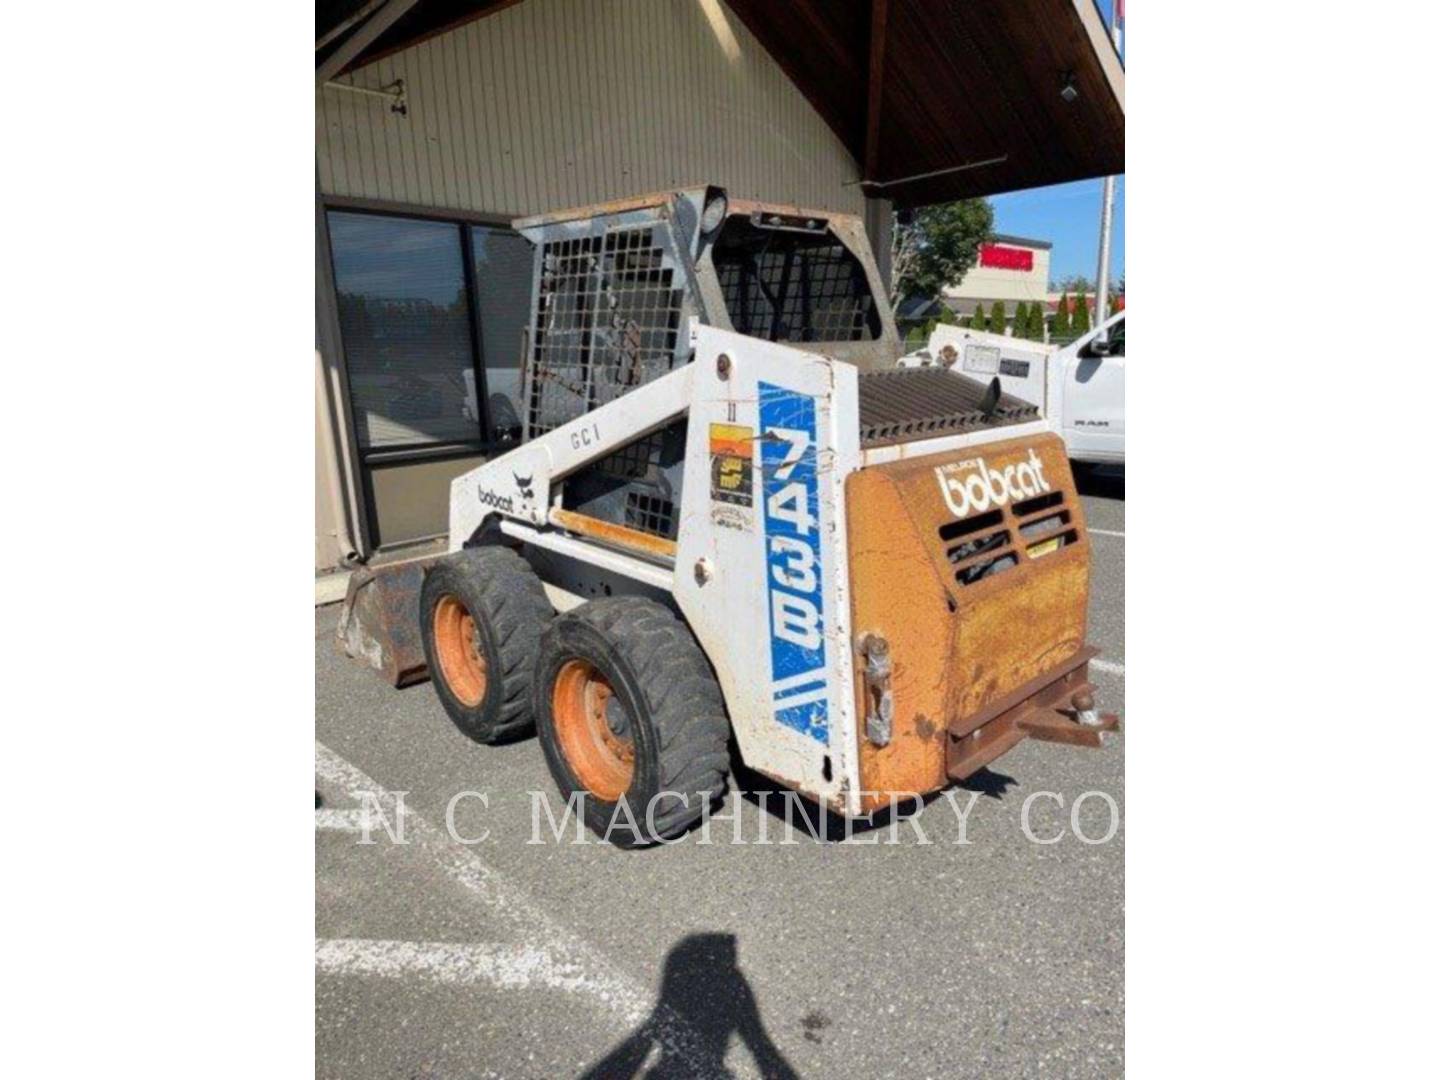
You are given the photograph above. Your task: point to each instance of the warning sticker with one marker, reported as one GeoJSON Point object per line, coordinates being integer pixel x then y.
{"type": "Point", "coordinates": [732, 478]}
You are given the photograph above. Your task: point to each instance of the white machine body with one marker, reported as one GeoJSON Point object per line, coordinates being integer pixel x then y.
{"type": "Point", "coordinates": [759, 570]}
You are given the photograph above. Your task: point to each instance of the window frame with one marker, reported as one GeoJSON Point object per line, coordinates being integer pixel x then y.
{"type": "Point", "coordinates": [464, 220]}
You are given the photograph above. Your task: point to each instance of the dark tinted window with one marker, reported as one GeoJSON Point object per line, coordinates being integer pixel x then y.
{"type": "Point", "coordinates": [788, 285]}
{"type": "Point", "coordinates": [1115, 342]}
{"type": "Point", "coordinates": [405, 320]}
{"type": "Point", "coordinates": [504, 263]}
{"type": "Point", "coordinates": [1117, 339]}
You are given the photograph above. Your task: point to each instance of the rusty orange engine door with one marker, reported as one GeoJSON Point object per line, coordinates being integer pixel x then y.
{"type": "Point", "coordinates": [974, 566]}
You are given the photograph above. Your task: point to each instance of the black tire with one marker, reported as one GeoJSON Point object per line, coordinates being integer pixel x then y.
{"type": "Point", "coordinates": [502, 594]}
{"type": "Point", "coordinates": [675, 714]}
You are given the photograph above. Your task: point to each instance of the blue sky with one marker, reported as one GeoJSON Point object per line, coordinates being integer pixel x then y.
{"type": "Point", "coordinates": [1068, 215]}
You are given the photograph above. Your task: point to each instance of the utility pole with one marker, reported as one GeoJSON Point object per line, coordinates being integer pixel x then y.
{"type": "Point", "coordinates": [1107, 201]}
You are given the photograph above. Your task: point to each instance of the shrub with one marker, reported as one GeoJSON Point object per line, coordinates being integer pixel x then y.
{"type": "Point", "coordinates": [997, 317]}
{"type": "Point", "coordinates": [1021, 319]}
{"type": "Point", "coordinates": [1035, 324]}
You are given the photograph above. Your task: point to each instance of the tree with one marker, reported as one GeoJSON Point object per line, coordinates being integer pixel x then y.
{"type": "Point", "coordinates": [1020, 318]}
{"type": "Point", "coordinates": [1074, 283]}
{"type": "Point", "coordinates": [997, 317]}
{"type": "Point", "coordinates": [1035, 324]}
{"type": "Point", "coordinates": [1061, 327]}
{"type": "Point", "coordinates": [1081, 321]}
{"type": "Point", "coordinates": [935, 246]}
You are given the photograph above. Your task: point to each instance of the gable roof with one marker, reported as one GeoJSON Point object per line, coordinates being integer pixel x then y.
{"type": "Point", "coordinates": [935, 100]}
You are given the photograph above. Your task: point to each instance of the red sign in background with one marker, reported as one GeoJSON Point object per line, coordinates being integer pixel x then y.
{"type": "Point", "coordinates": [1006, 258]}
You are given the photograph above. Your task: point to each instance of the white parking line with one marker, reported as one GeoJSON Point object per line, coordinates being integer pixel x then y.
{"type": "Point", "coordinates": [508, 967]}
{"type": "Point", "coordinates": [1108, 532]}
{"type": "Point", "coordinates": [343, 820]}
{"type": "Point", "coordinates": [1109, 667]}
{"type": "Point", "coordinates": [586, 971]}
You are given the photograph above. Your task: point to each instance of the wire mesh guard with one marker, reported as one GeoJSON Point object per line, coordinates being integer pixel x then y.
{"type": "Point", "coordinates": [607, 320]}
{"type": "Point", "coordinates": [649, 513]}
{"type": "Point", "coordinates": [912, 403]}
{"type": "Point", "coordinates": [783, 286]}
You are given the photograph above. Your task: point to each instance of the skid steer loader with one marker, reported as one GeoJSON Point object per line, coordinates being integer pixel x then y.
{"type": "Point", "coordinates": [874, 577]}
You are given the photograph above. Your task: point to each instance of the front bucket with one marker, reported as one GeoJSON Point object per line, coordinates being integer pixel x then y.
{"type": "Point", "coordinates": [380, 620]}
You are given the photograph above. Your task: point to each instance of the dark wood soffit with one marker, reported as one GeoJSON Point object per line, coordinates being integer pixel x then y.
{"type": "Point", "coordinates": [962, 83]}
{"type": "Point", "coordinates": [959, 83]}
{"type": "Point", "coordinates": [875, 90]}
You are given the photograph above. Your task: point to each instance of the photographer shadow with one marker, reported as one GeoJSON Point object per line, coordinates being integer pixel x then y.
{"type": "Point", "coordinates": [704, 989]}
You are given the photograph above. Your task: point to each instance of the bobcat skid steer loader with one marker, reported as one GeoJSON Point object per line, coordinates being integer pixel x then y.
{"type": "Point", "coordinates": [874, 577]}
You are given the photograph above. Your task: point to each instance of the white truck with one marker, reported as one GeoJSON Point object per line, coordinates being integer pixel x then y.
{"type": "Point", "coordinates": [1080, 387]}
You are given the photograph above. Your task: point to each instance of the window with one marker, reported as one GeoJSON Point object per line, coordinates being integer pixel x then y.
{"type": "Point", "coordinates": [405, 321]}
{"type": "Point", "coordinates": [432, 347]}
{"type": "Point", "coordinates": [787, 285]}
{"type": "Point", "coordinates": [504, 265]}
{"type": "Point", "coordinates": [1115, 340]}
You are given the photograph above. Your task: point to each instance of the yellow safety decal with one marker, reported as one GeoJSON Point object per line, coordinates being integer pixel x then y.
{"type": "Point", "coordinates": [732, 448]}
{"type": "Point", "coordinates": [1045, 547]}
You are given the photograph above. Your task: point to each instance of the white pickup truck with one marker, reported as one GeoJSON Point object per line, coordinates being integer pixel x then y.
{"type": "Point", "coordinates": [1080, 388]}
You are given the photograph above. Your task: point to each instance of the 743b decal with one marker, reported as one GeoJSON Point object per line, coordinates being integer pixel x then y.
{"type": "Point", "coordinates": [794, 596]}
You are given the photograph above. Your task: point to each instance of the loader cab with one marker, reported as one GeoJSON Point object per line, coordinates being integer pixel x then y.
{"type": "Point", "coordinates": [616, 287]}
{"type": "Point", "coordinates": [802, 278]}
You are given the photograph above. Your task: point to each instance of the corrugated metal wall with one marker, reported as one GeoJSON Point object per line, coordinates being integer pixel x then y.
{"type": "Point", "coordinates": [555, 103]}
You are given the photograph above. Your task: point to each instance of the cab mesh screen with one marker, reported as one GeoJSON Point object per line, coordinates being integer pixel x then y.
{"type": "Point", "coordinates": [607, 321]}
{"type": "Point", "coordinates": [784, 285]}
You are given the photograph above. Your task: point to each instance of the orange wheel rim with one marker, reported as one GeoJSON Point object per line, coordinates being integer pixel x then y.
{"type": "Point", "coordinates": [593, 730]}
{"type": "Point", "coordinates": [457, 648]}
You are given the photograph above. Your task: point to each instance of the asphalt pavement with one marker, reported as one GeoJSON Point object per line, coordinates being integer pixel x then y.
{"type": "Point", "coordinates": [852, 956]}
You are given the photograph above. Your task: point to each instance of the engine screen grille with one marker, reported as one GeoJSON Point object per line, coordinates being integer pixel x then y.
{"type": "Point", "coordinates": [905, 404]}
{"type": "Point", "coordinates": [981, 546]}
{"type": "Point", "coordinates": [978, 547]}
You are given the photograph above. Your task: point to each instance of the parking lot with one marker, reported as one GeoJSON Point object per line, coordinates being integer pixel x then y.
{"type": "Point", "coordinates": [849, 956]}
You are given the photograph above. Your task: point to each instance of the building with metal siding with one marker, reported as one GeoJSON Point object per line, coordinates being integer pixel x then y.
{"type": "Point", "coordinates": [554, 103]}
{"type": "Point", "coordinates": [546, 104]}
